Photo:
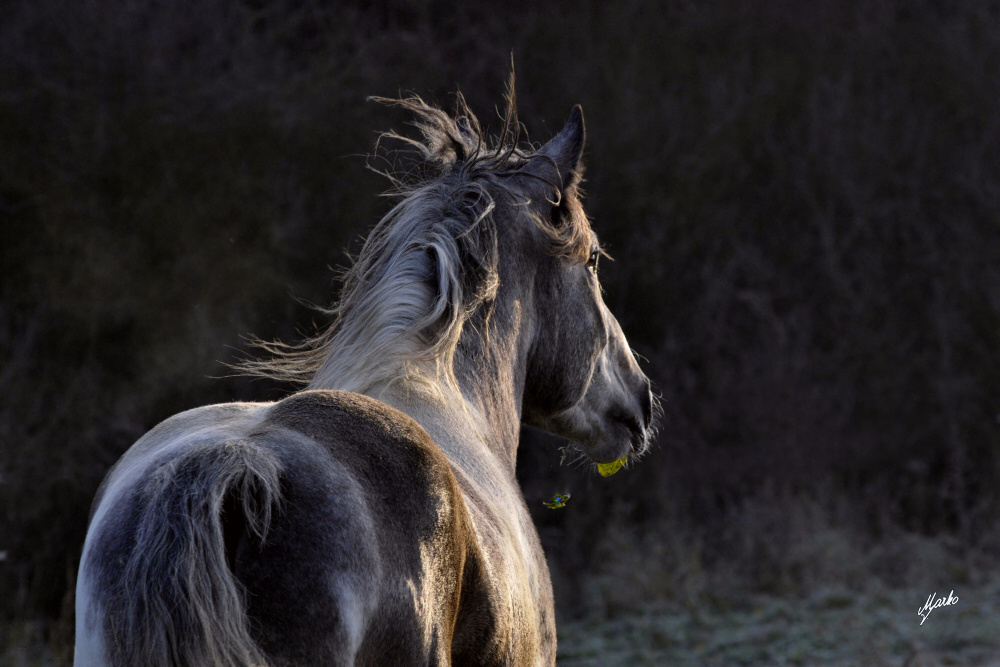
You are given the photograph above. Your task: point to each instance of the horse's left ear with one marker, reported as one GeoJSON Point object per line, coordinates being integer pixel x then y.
{"type": "Point", "coordinates": [564, 151]}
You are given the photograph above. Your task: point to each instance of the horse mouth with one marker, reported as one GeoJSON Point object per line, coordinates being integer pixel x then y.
{"type": "Point", "coordinates": [622, 437]}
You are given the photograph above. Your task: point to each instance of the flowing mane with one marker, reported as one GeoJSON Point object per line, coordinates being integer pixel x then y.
{"type": "Point", "coordinates": [430, 264]}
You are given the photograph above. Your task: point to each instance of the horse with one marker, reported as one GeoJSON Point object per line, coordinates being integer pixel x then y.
{"type": "Point", "coordinates": [373, 517]}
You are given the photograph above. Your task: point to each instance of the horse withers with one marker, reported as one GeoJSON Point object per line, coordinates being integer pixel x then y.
{"type": "Point", "coordinates": [374, 517]}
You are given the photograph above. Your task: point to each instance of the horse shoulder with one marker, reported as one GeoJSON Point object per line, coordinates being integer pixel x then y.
{"type": "Point", "coordinates": [503, 620]}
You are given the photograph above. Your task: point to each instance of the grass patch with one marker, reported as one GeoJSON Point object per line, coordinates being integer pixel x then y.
{"type": "Point", "coordinates": [831, 627]}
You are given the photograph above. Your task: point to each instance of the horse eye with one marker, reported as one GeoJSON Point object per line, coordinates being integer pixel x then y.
{"type": "Point", "coordinates": [592, 262]}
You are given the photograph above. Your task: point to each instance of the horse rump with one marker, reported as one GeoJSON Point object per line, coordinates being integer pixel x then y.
{"type": "Point", "coordinates": [162, 561]}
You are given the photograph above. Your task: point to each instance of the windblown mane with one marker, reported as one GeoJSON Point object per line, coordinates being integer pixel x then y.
{"type": "Point", "coordinates": [428, 266]}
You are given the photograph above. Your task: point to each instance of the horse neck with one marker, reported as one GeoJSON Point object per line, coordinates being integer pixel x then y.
{"type": "Point", "coordinates": [480, 418]}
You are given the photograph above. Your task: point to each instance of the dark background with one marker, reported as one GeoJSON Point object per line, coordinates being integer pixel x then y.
{"type": "Point", "coordinates": [802, 200]}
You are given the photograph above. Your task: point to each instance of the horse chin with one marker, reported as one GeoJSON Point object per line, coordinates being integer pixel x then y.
{"type": "Point", "coordinates": [608, 453]}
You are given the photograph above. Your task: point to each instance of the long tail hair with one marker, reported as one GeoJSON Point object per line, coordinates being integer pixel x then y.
{"type": "Point", "coordinates": [178, 601]}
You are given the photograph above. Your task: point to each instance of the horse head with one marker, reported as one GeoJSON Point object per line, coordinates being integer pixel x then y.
{"type": "Point", "coordinates": [582, 381]}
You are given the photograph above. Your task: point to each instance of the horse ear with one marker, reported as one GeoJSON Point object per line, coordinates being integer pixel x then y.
{"type": "Point", "coordinates": [564, 151]}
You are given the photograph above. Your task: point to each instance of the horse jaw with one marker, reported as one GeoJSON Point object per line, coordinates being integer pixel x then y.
{"type": "Point", "coordinates": [613, 418]}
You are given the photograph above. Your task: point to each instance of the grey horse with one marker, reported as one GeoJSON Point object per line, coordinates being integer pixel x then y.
{"type": "Point", "coordinates": [374, 517]}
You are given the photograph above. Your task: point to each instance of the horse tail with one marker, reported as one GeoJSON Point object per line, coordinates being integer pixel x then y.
{"type": "Point", "coordinates": [180, 603]}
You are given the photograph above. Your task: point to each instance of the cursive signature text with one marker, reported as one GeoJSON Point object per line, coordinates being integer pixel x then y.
{"type": "Point", "coordinates": [933, 604]}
